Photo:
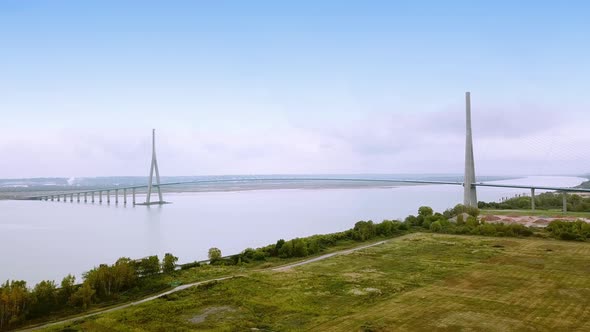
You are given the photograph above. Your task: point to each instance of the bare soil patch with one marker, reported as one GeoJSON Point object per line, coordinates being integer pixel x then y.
{"type": "Point", "coordinates": [210, 311]}
{"type": "Point", "coordinates": [528, 220]}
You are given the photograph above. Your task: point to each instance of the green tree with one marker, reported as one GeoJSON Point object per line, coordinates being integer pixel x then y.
{"type": "Point", "coordinates": [101, 279]}
{"type": "Point", "coordinates": [313, 246]}
{"type": "Point", "coordinates": [436, 227]}
{"type": "Point", "coordinates": [299, 247]}
{"type": "Point", "coordinates": [259, 255]}
{"type": "Point", "coordinates": [286, 250]}
{"type": "Point", "coordinates": [83, 296]}
{"type": "Point", "coordinates": [364, 230]}
{"type": "Point", "coordinates": [124, 274]}
{"type": "Point", "coordinates": [411, 220]}
{"type": "Point", "coordinates": [149, 266]}
{"type": "Point", "coordinates": [45, 298]}
{"type": "Point", "coordinates": [214, 254]}
{"type": "Point", "coordinates": [67, 288]}
{"type": "Point", "coordinates": [169, 263]}
{"type": "Point", "coordinates": [387, 227]}
{"type": "Point", "coordinates": [14, 302]}
{"type": "Point", "coordinates": [425, 211]}
{"type": "Point", "coordinates": [277, 247]}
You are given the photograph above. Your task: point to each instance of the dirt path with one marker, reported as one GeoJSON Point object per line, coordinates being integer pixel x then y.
{"type": "Point", "coordinates": [183, 287]}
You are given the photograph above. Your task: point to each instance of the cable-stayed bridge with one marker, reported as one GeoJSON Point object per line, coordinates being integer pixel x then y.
{"type": "Point", "coordinates": [122, 194]}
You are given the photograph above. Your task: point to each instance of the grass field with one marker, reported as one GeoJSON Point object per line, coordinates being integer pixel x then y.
{"type": "Point", "coordinates": [419, 282]}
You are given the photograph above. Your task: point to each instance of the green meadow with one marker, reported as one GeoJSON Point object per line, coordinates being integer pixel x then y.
{"type": "Point", "coordinates": [417, 282]}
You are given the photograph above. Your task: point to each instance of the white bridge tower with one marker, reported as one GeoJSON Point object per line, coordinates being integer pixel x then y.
{"type": "Point", "coordinates": [469, 191]}
{"type": "Point", "coordinates": [153, 167]}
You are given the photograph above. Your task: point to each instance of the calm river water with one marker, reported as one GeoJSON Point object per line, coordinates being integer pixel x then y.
{"type": "Point", "coordinates": [47, 240]}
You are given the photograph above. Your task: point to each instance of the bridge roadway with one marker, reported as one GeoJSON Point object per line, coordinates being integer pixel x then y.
{"type": "Point", "coordinates": [133, 189]}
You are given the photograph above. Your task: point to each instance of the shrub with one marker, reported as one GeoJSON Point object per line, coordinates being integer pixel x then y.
{"type": "Point", "coordinates": [364, 230]}
{"type": "Point", "coordinates": [425, 211]}
{"type": "Point", "coordinates": [214, 254]}
{"type": "Point", "coordinates": [169, 263]}
{"type": "Point", "coordinates": [436, 227]}
{"type": "Point", "coordinates": [411, 220]}
{"type": "Point", "coordinates": [460, 220]}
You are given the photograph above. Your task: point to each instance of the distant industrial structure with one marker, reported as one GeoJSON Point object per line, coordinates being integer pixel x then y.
{"type": "Point", "coordinates": [469, 182]}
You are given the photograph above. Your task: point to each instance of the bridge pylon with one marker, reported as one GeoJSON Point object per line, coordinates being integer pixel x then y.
{"type": "Point", "coordinates": [154, 167]}
{"type": "Point", "coordinates": [469, 191]}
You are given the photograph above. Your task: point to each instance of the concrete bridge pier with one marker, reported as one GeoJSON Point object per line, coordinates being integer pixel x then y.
{"type": "Point", "coordinates": [78, 197]}
{"type": "Point", "coordinates": [92, 196]}
{"type": "Point", "coordinates": [116, 196]}
{"type": "Point", "coordinates": [100, 196]}
{"type": "Point", "coordinates": [108, 197]}
{"type": "Point", "coordinates": [85, 197]}
{"type": "Point", "coordinates": [533, 199]}
{"type": "Point", "coordinates": [133, 194]}
{"type": "Point", "coordinates": [71, 198]}
{"type": "Point", "coordinates": [125, 196]}
{"type": "Point", "coordinates": [52, 198]}
{"type": "Point", "coordinates": [564, 197]}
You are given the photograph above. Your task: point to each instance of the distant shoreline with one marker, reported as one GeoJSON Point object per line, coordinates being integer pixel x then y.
{"type": "Point", "coordinates": [22, 188]}
{"type": "Point", "coordinates": [19, 194]}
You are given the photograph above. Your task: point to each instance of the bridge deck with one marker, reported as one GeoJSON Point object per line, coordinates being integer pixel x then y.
{"type": "Point", "coordinates": [254, 180]}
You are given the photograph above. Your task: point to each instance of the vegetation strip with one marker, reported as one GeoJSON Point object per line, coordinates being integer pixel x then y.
{"type": "Point", "coordinates": [183, 287]}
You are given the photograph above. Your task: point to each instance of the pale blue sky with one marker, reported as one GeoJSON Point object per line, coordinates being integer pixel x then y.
{"type": "Point", "coordinates": [292, 87]}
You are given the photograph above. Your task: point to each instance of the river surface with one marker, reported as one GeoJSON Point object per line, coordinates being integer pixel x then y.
{"type": "Point", "coordinates": [47, 240]}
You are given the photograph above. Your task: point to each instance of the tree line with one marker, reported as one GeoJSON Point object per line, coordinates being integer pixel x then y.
{"type": "Point", "coordinates": [544, 201]}
{"type": "Point", "coordinates": [20, 304]}
{"type": "Point", "coordinates": [457, 220]}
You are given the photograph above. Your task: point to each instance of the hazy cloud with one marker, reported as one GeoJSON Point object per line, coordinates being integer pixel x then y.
{"type": "Point", "coordinates": [507, 141]}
